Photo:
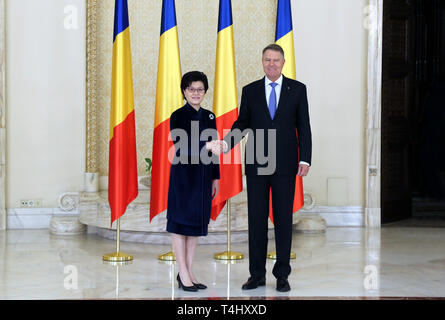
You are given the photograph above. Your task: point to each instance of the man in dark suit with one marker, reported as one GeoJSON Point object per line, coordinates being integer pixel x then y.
{"type": "Point", "coordinates": [275, 112]}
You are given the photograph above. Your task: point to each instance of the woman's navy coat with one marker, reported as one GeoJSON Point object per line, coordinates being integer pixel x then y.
{"type": "Point", "coordinates": [190, 186]}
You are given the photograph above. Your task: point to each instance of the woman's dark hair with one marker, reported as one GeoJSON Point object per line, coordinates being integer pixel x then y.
{"type": "Point", "coordinates": [193, 76]}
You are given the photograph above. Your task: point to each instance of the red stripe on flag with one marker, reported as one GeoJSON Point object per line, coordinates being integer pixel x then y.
{"type": "Point", "coordinates": [231, 180]}
{"type": "Point", "coordinates": [160, 174]}
{"type": "Point", "coordinates": [123, 177]}
{"type": "Point", "coordinates": [298, 198]}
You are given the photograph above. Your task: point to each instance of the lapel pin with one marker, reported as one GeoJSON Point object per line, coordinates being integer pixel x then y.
{"type": "Point", "coordinates": [211, 116]}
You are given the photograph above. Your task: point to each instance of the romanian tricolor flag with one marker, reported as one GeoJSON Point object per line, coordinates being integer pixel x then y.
{"type": "Point", "coordinates": [225, 107]}
{"type": "Point", "coordinates": [122, 175]}
{"type": "Point", "coordinates": [284, 37]}
{"type": "Point", "coordinates": [168, 99]}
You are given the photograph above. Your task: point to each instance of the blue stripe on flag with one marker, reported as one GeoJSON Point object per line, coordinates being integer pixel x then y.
{"type": "Point", "coordinates": [284, 19]}
{"type": "Point", "coordinates": [120, 17]}
{"type": "Point", "coordinates": [168, 15]}
{"type": "Point", "coordinates": [225, 14]}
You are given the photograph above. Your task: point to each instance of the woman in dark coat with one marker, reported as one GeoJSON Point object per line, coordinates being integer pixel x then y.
{"type": "Point", "coordinates": [194, 182]}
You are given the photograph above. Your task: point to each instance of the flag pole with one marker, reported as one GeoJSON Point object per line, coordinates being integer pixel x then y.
{"type": "Point", "coordinates": [229, 254]}
{"type": "Point", "coordinates": [117, 256]}
{"type": "Point", "coordinates": [273, 255]}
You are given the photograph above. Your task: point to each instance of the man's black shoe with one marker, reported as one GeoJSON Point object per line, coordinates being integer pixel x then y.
{"type": "Point", "coordinates": [283, 285]}
{"type": "Point", "coordinates": [254, 283]}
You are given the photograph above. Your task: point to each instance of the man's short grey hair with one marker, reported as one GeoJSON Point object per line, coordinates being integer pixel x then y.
{"type": "Point", "coordinates": [274, 47]}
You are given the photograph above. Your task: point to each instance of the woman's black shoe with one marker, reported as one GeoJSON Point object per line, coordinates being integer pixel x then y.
{"type": "Point", "coordinates": [180, 285]}
{"type": "Point", "coordinates": [200, 286]}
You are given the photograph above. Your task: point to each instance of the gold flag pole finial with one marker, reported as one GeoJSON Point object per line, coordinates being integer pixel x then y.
{"type": "Point", "coordinates": [229, 254]}
{"type": "Point", "coordinates": [117, 256]}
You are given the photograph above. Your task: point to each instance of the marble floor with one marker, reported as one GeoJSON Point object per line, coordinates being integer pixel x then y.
{"type": "Point", "coordinates": [341, 263]}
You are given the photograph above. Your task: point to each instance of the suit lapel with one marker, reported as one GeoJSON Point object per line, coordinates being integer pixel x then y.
{"type": "Point", "coordinates": [261, 94]}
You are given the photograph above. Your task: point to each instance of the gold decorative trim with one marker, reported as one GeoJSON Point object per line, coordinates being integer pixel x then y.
{"type": "Point", "coordinates": [91, 72]}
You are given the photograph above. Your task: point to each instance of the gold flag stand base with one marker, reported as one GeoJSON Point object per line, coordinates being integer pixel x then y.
{"type": "Point", "coordinates": [229, 254]}
{"type": "Point", "coordinates": [117, 256]}
{"type": "Point", "coordinates": [169, 256]}
{"type": "Point", "coordinates": [273, 255]}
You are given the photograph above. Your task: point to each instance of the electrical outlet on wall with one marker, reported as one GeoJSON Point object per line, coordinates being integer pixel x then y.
{"type": "Point", "coordinates": [31, 203]}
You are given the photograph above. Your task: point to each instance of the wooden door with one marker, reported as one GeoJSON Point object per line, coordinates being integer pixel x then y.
{"type": "Point", "coordinates": [398, 63]}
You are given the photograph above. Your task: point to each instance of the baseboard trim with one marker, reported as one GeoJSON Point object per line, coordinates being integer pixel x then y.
{"type": "Point", "coordinates": [352, 216]}
{"type": "Point", "coordinates": [39, 218]}
{"type": "Point", "coordinates": [33, 218]}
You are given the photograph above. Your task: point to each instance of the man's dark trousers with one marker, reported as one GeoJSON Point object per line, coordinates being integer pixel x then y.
{"type": "Point", "coordinates": [258, 189]}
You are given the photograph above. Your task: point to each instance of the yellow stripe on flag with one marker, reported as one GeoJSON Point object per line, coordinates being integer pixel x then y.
{"type": "Point", "coordinates": [225, 96]}
{"type": "Point", "coordinates": [287, 43]}
{"type": "Point", "coordinates": [168, 99]}
{"type": "Point", "coordinates": [225, 107]}
{"type": "Point", "coordinates": [168, 88]}
{"type": "Point", "coordinates": [122, 100]}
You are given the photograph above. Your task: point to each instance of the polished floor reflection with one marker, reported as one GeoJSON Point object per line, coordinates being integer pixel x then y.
{"type": "Point", "coordinates": [341, 263]}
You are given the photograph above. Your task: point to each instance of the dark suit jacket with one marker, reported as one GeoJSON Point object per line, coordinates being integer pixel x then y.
{"type": "Point", "coordinates": [291, 124]}
{"type": "Point", "coordinates": [190, 185]}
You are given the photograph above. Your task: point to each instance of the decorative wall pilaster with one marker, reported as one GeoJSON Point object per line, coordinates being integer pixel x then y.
{"type": "Point", "coordinates": [373, 125]}
{"type": "Point", "coordinates": [373, 150]}
{"type": "Point", "coordinates": [2, 118]}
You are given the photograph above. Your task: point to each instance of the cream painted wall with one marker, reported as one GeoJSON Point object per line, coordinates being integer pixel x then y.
{"type": "Point", "coordinates": [331, 59]}
{"type": "Point", "coordinates": [45, 65]}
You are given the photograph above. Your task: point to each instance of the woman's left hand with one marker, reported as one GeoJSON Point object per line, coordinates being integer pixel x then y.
{"type": "Point", "coordinates": [215, 188]}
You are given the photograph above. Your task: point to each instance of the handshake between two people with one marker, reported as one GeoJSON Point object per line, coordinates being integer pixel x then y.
{"type": "Point", "coordinates": [219, 146]}
{"type": "Point", "coordinates": [216, 146]}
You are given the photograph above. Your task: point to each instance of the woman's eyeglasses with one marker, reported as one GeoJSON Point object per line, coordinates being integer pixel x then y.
{"type": "Point", "coordinates": [196, 90]}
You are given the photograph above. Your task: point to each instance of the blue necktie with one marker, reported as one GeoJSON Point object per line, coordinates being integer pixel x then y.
{"type": "Point", "coordinates": [273, 100]}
